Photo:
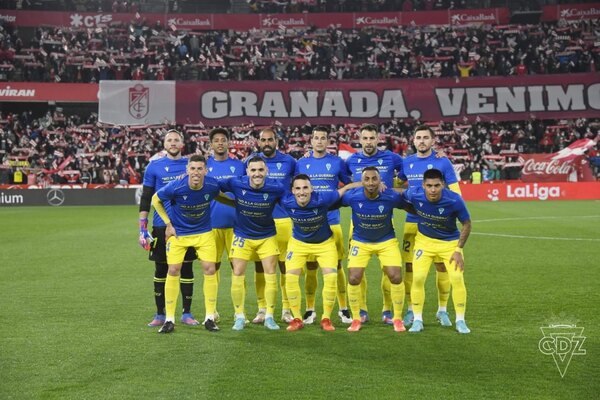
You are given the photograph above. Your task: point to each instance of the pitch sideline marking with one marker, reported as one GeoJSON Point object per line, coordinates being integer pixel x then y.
{"type": "Point", "coordinates": [530, 218]}
{"type": "Point", "coordinates": [535, 237]}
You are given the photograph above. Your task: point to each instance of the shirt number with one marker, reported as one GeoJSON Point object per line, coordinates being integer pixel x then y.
{"type": "Point", "coordinates": [238, 241]}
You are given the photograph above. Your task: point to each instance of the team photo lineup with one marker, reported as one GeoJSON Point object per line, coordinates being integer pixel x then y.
{"type": "Point", "coordinates": [283, 214]}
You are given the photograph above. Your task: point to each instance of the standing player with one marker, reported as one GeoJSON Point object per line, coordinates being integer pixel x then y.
{"type": "Point", "coordinates": [438, 209]}
{"type": "Point", "coordinates": [389, 165]}
{"type": "Point", "coordinates": [281, 168]}
{"type": "Point", "coordinates": [188, 226]}
{"type": "Point", "coordinates": [373, 234]}
{"type": "Point", "coordinates": [311, 237]}
{"type": "Point", "coordinates": [325, 171]}
{"type": "Point", "coordinates": [254, 233]}
{"type": "Point", "coordinates": [158, 173]}
{"type": "Point", "coordinates": [221, 166]}
{"type": "Point", "coordinates": [413, 169]}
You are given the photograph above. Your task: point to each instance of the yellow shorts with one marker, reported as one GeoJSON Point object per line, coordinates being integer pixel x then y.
{"type": "Point", "coordinates": [388, 253]}
{"type": "Point", "coordinates": [223, 239]}
{"type": "Point", "coordinates": [338, 238]}
{"type": "Point", "coordinates": [408, 242]}
{"type": "Point", "coordinates": [247, 249]}
{"type": "Point", "coordinates": [284, 233]}
{"type": "Point", "coordinates": [298, 253]}
{"type": "Point", "coordinates": [204, 243]}
{"type": "Point", "coordinates": [428, 250]}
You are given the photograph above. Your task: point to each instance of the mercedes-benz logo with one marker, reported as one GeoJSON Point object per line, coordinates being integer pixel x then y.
{"type": "Point", "coordinates": [55, 197]}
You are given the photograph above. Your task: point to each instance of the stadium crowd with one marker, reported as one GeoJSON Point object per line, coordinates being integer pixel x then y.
{"type": "Point", "coordinates": [142, 52]}
{"type": "Point", "coordinates": [69, 149]}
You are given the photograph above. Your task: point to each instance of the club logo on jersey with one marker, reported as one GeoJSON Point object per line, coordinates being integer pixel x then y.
{"type": "Point", "coordinates": [210, 169]}
{"type": "Point", "coordinates": [265, 196]}
{"type": "Point", "coordinates": [381, 208]}
{"type": "Point", "coordinates": [316, 211]}
{"type": "Point", "coordinates": [360, 205]}
{"type": "Point", "coordinates": [243, 192]}
{"type": "Point", "coordinates": [167, 169]}
{"type": "Point", "coordinates": [380, 161]}
{"type": "Point", "coordinates": [429, 166]}
{"type": "Point", "coordinates": [420, 204]}
{"type": "Point", "coordinates": [411, 165]}
{"type": "Point", "coordinates": [206, 197]}
{"type": "Point", "coordinates": [293, 210]}
{"type": "Point", "coordinates": [185, 197]}
{"type": "Point", "coordinates": [278, 165]}
{"type": "Point", "coordinates": [328, 166]}
{"type": "Point", "coordinates": [441, 210]}
{"type": "Point", "coordinates": [359, 160]}
{"type": "Point", "coordinates": [232, 169]}
{"type": "Point", "coordinates": [307, 166]}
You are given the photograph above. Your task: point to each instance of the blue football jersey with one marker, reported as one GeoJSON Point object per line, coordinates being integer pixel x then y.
{"type": "Point", "coordinates": [223, 216]}
{"type": "Point", "coordinates": [414, 167]}
{"type": "Point", "coordinates": [372, 218]}
{"type": "Point", "coordinates": [158, 174]}
{"type": "Point", "coordinates": [438, 220]}
{"type": "Point", "coordinates": [310, 222]}
{"type": "Point", "coordinates": [253, 208]}
{"type": "Point", "coordinates": [325, 175]}
{"type": "Point", "coordinates": [389, 165]}
{"type": "Point", "coordinates": [281, 169]}
{"type": "Point", "coordinates": [190, 208]}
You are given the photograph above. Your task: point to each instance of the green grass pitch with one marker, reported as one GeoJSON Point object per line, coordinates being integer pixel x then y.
{"type": "Point", "coordinates": [77, 293]}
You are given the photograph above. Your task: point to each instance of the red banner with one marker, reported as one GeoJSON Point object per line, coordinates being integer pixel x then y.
{"type": "Point", "coordinates": [334, 102]}
{"type": "Point", "coordinates": [520, 191]}
{"type": "Point", "coordinates": [571, 12]}
{"type": "Point", "coordinates": [43, 92]}
{"type": "Point", "coordinates": [569, 164]}
{"type": "Point", "coordinates": [242, 22]}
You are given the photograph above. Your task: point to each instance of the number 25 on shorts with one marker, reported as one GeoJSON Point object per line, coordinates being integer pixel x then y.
{"type": "Point", "coordinates": [238, 241]}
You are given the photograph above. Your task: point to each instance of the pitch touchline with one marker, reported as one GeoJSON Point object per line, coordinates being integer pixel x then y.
{"type": "Point", "coordinates": [529, 218]}
{"type": "Point", "coordinates": [536, 237]}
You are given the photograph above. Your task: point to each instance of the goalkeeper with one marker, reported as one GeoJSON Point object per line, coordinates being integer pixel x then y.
{"type": "Point", "coordinates": [158, 173]}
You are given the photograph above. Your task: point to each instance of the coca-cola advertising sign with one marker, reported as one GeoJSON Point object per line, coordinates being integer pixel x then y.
{"type": "Point", "coordinates": [531, 191]}
{"type": "Point", "coordinates": [569, 164]}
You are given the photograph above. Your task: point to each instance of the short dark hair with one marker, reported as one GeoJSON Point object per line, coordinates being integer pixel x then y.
{"type": "Point", "coordinates": [255, 159]}
{"type": "Point", "coordinates": [217, 131]}
{"type": "Point", "coordinates": [368, 127]}
{"type": "Point", "coordinates": [299, 177]}
{"type": "Point", "coordinates": [433, 174]}
{"type": "Point", "coordinates": [197, 158]}
{"type": "Point", "coordinates": [320, 128]}
{"type": "Point", "coordinates": [424, 127]}
{"type": "Point", "coordinates": [371, 168]}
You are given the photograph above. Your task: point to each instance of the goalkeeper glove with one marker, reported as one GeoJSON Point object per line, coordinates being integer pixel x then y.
{"type": "Point", "coordinates": [145, 239]}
